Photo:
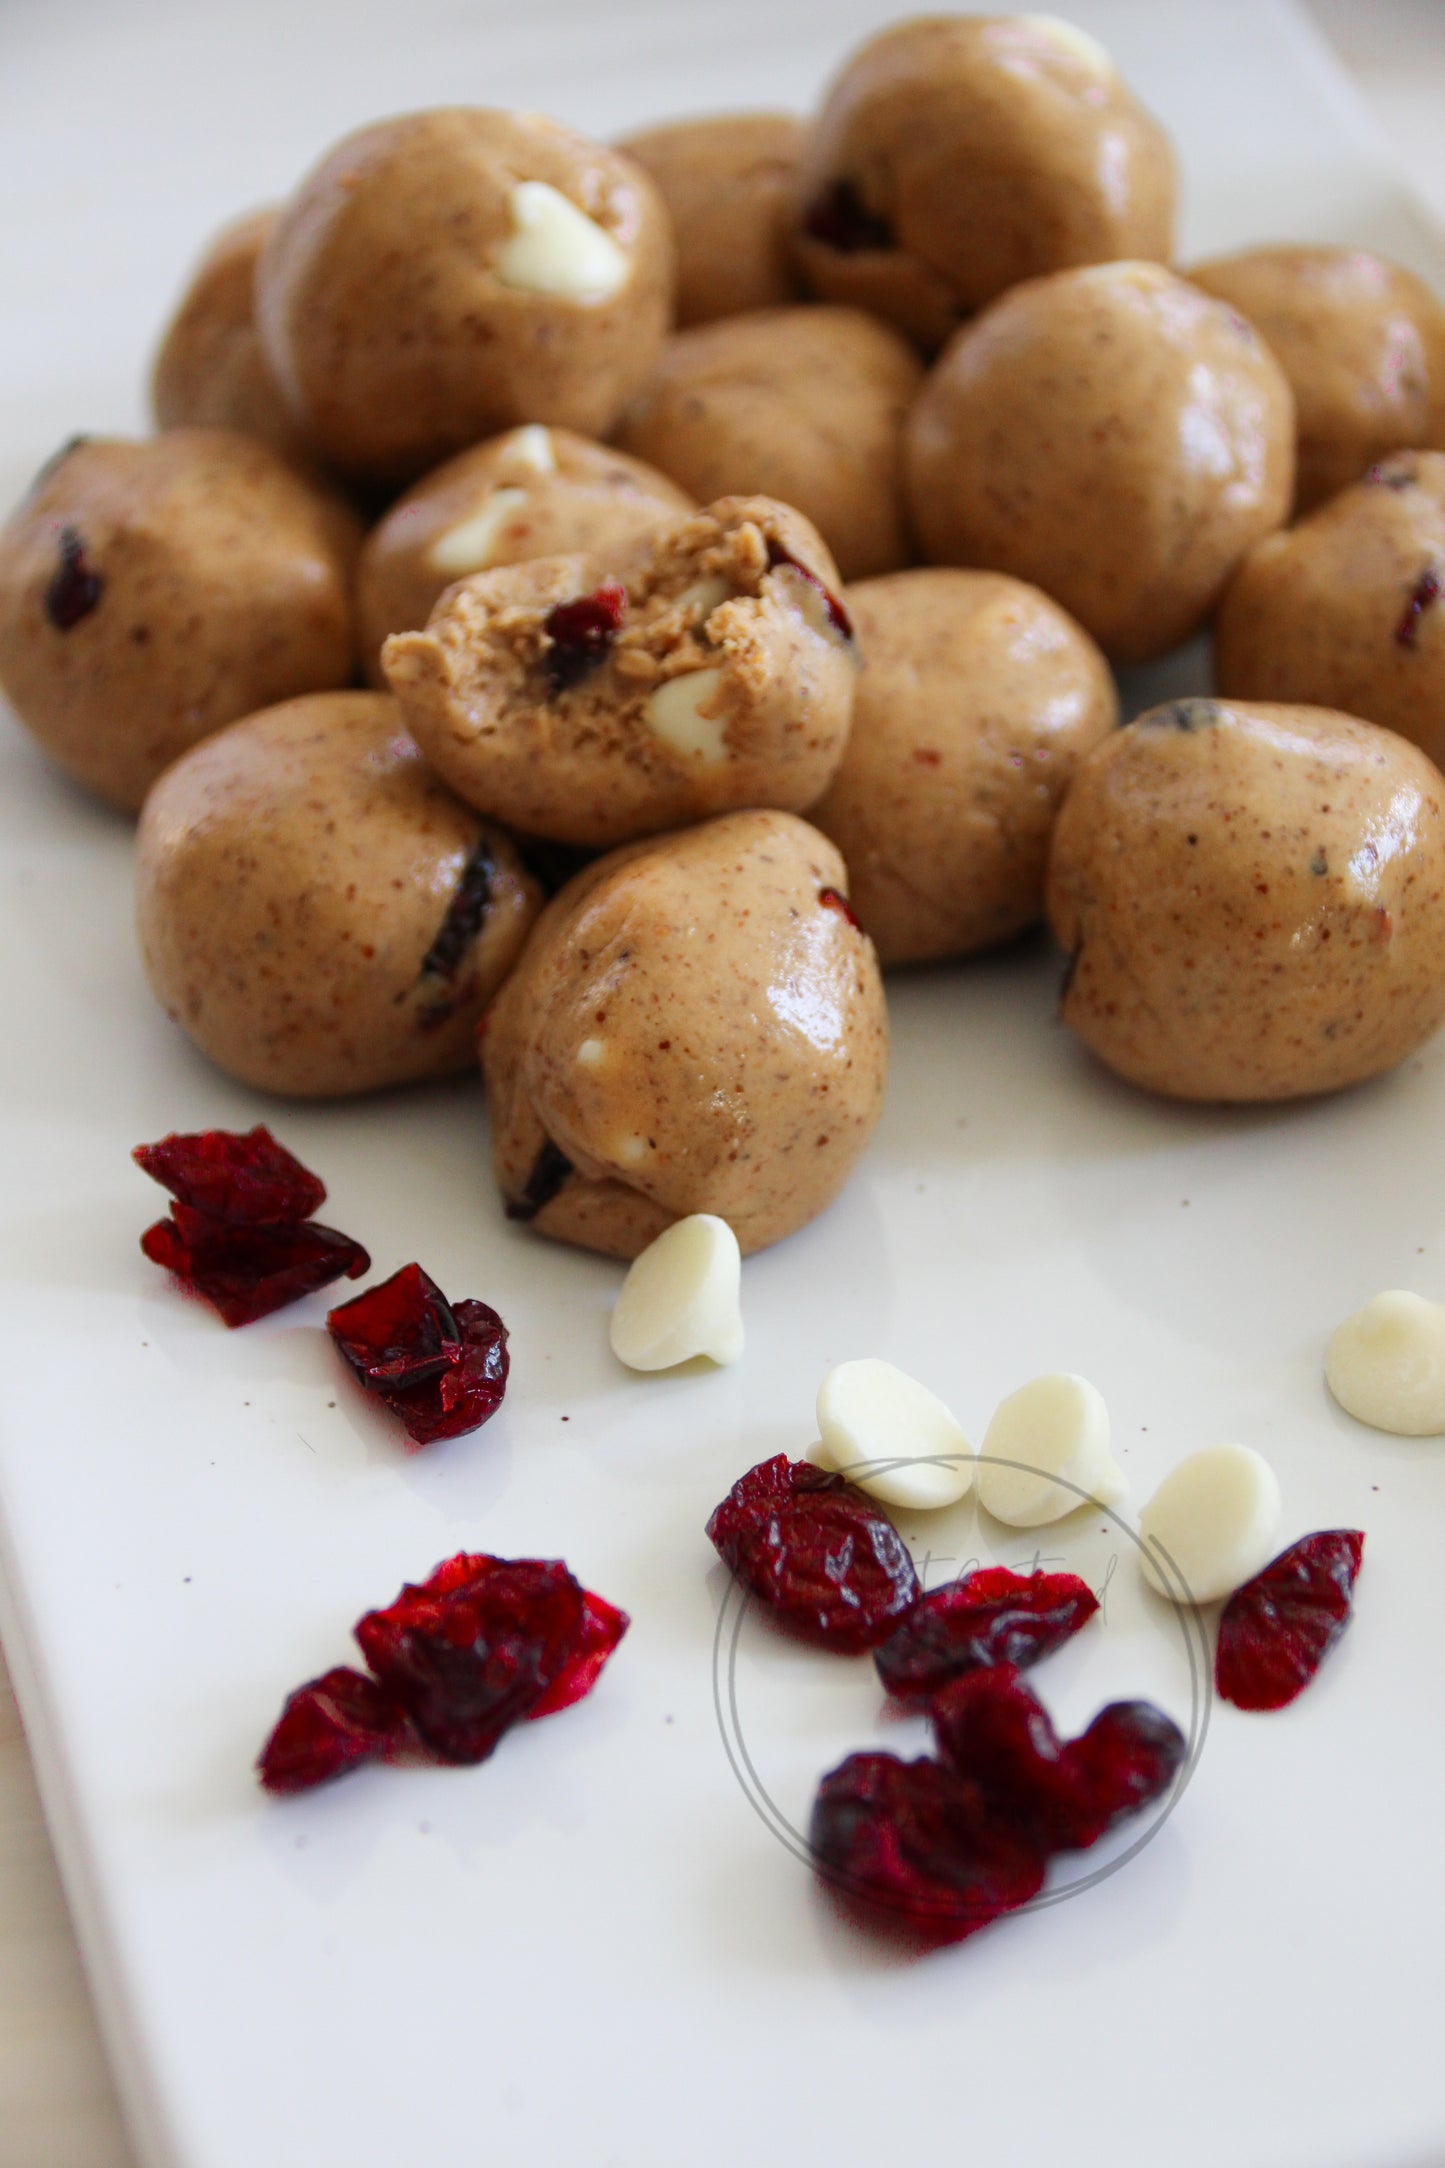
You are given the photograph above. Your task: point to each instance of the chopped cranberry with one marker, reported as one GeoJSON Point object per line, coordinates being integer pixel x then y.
{"type": "Point", "coordinates": [75, 586]}
{"type": "Point", "coordinates": [833, 899]}
{"type": "Point", "coordinates": [992, 1616]}
{"type": "Point", "coordinates": [464, 917]}
{"type": "Point", "coordinates": [551, 1171]}
{"type": "Point", "coordinates": [470, 1393]}
{"type": "Point", "coordinates": [837, 616]}
{"type": "Point", "coordinates": [841, 219]}
{"type": "Point", "coordinates": [1276, 1631]}
{"type": "Point", "coordinates": [818, 1553]}
{"type": "Point", "coordinates": [247, 1272]}
{"type": "Point", "coordinates": [440, 1367]}
{"type": "Point", "coordinates": [603, 1626]}
{"type": "Point", "coordinates": [250, 1180]}
{"type": "Point", "coordinates": [1124, 1761]}
{"type": "Point", "coordinates": [581, 632]}
{"type": "Point", "coordinates": [327, 1727]}
{"type": "Point", "coordinates": [1426, 589]}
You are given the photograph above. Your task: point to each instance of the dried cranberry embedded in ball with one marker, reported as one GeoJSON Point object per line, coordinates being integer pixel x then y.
{"type": "Point", "coordinates": [992, 1616]}
{"type": "Point", "coordinates": [840, 219]}
{"type": "Point", "coordinates": [247, 1272]}
{"type": "Point", "coordinates": [833, 899]}
{"type": "Point", "coordinates": [818, 1552]}
{"type": "Point", "coordinates": [1426, 590]}
{"type": "Point", "coordinates": [440, 1367]}
{"type": "Point", "coordinates": [1276, 1631]}
{"type": "Point", "coordinates": [837, 616]}
{"type": "Point", "coordinates": [328, 1726]}
{"type": "Point", "coordinates": [551, 1171]}
{"type": "Point", "coordinates": [581, 632]}
{"type": "Point", "coordinates": [249, 1179]}
{"type": "Point", "coordinates": [75, 586]}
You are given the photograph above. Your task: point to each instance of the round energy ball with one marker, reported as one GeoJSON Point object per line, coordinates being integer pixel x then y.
{"type": "Point", "coordinates": [956, 155]}
{"type": "Point", "coordinates": [210, 372]}
{"type": "Point", "coordinates": [1363, 345]}
{"type": "Point", "coordinates": [697, 1025]}
{"type": "Point", "coordinates": [806, 405]}
{"type": "Point", "coordinates": [534, 492]}
{"type": "Point", "coordinates": [1253, 900]}
{"type": "Point", "coordinates": [976, 701]}
{"type": "Point", "coordinates": [450, 274]}
{"type": "Point", "coordinates": [1114, 436]}
{"type": "Point", "coordinates": [727, 183]}
{"type": "Point", "coordinates": [316, 910]}
{"type": "Point", "coordinates": [151, 593]}
{"type": "Point", "coordinates": [1347, 610]}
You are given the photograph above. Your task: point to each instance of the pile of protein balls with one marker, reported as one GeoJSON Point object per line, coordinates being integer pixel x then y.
{"type": "Point", "coordinates": [940, 437]}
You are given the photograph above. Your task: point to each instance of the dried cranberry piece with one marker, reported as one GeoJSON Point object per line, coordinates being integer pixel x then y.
{"type": "Point", "coordinates": [75, 586]}
{"type": "Point", "coordinates": [1276, 1631]}
{"type": "Point", "coordinates": [467, 1394]}
{"type": "Point", "coordinates": [917, 1844]}
{"type": "Point", "coordinates": [1426, 590]}
{"type": "Point", "coordinates": [249, 1179]}
{"type": "Point", "coordinates": [817, 1551]}
{"type": "Point", "coordinates": [1125, 1760]}
{"type": "Point", "coordinates": [581, 632]}
{"type": "Point", "coordinates": [841, 219]}
{"type": "Point", "coordinates": [838, 617]}
{"type": "Point", "coordinates": [328, 1726]}
{"type": "Point", "coordinates": [246, 1272]}
{"type": "Point", "coordinates": [833, 899]}
{"type": "Point", "coordinates": [485, 1643]}
{"type": "Point", "coordinates": [551, 1170]}
{"type": "Point", "coordinates": [401, 1332]}
{"type": "Point", "coordinates": [463, 922]}
{"type": "Point", "coordinates": [992, 1616]}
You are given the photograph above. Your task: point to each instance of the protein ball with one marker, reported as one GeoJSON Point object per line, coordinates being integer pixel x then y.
{"type": "Point", "coordinates": [451, 274]}
{"type": "Point", "coordinates": [591, 700]}
{"type": "Point", "coordinates": [727, 183]}
{"type": "Point", "coordinates": [151, 593]}
{"type": "Point", "coordinates": [210, 372]}
{"type": "Point", "coordinates": [1113, 435]}
{"type": "Point", "coordinates": [957, 155]}
{"type": "Point", "coordinates": [316, 910]}
{"type": "Point", "coordinates": [1363, 345]}
{"type": "Point", "coordinates": [1346, 610]}
{"type": "Point", "coordinates": [534, 492]}
{"type": "Point", "coordinates": [976, 700]}
{"type": "Point", "coordinates": [1253, 900]}
{"type": "Point", "coordinates": [697, 1025]}
{"type": "Point", "coordinates": [807, 405]}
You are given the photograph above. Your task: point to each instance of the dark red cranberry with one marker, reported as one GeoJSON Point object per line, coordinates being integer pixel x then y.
{"type": "Point", "coordinates": [840, 219]}
{"type": "Point", "coordinates": [251, 1180]}
{"type": "Point", "coordinates": [551, 1170]}
{"type": "Point", "coordinates": [992, 1616]}
{"type": "Point", "coordinates": [75, 586]}
{"type": "Point", "coordinates": [247, 1272]}
{"type": "Point", "coordinates": [1126, 1759]}
{"type": "Point", "coordinates": [465, 1396]}
{"type": "Point", "coordinates": [833, 899]}
{"type": "Point", "coordinates": [838, 617]}
{"type": "Point", "coordinates": [580, 633]}
{"type": "Point", "coordinates": [440, 1367]}
{"type": "Point", "coordinates": [1426, 589]}
{"type": "Point", "coordinates": [464, 919]}
{"type": "Point", "coordinates": [818, 1552]}
{"type": "Point", "coordinates": [327, 1727]}
{"type": "Point", "coordinates": [1276, 1631]}
{"type": "Point", "coordinates": [603, 1626]}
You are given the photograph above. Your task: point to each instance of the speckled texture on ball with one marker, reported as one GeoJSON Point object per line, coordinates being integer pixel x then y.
{"type": "Point", "coordinates": [210, 372]}
{"type": "Point", "coordinates": [316, 910]}
{"type": "Point", "coordinates": [727, 182]}
{"type": "Point", "coordinates": [696, 1026]}
{"type": "Point", "coordinates": [1253, 900]}
{"type": "Point", "coordinates": [151, 593]}
{"type": "Point", "coordinates": [976, 700]}
{"type": "Point", "coordinates": [807, 405]}
{"type": "Point", "coordinates": [1114, 436]}
{"type": "Point", "coordinates": [384, 313]}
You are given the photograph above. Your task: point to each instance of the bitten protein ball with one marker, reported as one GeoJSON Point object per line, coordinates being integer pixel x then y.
{"type": "Point", "coordinates": [593, 699]}
{"type": "Point", "coordinates": [1347, 610]}
{"type": "Point", "coordinates": [151, 593]}
{"type": "Point", "coordinates": [807, 405]}
{"type": "Point", "coordinates": [1114, 436]}
{"type": "Point", "coordinates": [728, 184]}
{"type": "Point", "coordinates": [1362, 343]}
{"type": "Point", "coordinates": [1253, 900]}
{"type": "Point", "coordinates": [534, 492]}
{"type": "Point", "coordinates": [316, 910]}
{"type": "Point", "coordinates": [210, 372]}
{"type": "Point", "coordinates": [976, 700]}
{"type": "Point", "coordinates": [697, 1026]}
{"type": "Point", "coordinates": [956, 155]}
{"type": "Point", "coordinates": [451, 274]}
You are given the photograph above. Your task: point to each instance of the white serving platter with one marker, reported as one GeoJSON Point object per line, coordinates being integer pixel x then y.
{"type": "Point", "coordinates": [601, 1947]}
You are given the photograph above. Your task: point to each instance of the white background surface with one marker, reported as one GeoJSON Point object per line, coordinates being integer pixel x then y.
{"type": "Point", "coordinates": [590, 1948]}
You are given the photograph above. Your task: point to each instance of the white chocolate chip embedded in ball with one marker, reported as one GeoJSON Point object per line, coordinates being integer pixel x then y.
{"type": "Point", "coordinates": [555, 248]}
{"type": "Point", "coordinates": [470, 545]}
{"type": "Point", "coordinates": [682, 1298]}
{"type": "Point", "coordinates": [591, 1054]}
{"type": "Point", "coordinates": [532, 447]}
{"type": "Point", "coordinates": [631, 1151]}
{"type": "Point", "coordinates": [704, 596]}
{"type": "Point", "coordinates": [675, 714]}
{"type": "Point", "coordinates": [891, 1436]}
{"type": "Point", "coordinates": [1084, 48]}
{"type": "Point", "coordinates": [1216, 1517]}
{"type": "Point", "coordinates": [1386, 1365]}
{"type": "Point", "coordinates": [1046, 1453]}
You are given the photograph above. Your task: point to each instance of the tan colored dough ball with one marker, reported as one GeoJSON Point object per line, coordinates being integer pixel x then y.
{"type": "Point", "coordinates": [1253, 900]}
{"type": "Point", "coordinates": [976, 700]}
{"type": "Point", "coordinates": [210, 372]}
{"type": "Point", "coordinates": [727, 182]}
{"type": "Point", "coordinates": [316, 911]}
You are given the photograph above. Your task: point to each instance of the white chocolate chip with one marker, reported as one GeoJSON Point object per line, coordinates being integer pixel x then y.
{"type": "Point", "coordinates": [469, 546]}
{"type": "Point", "coordinates": [1046, 1453]}
{"type": "Point", "coordinates": [554, 248]}
{"type": "Point", "coordinates": [682, 1298]}
{"type": "Point", "coordinates": [674, 713]}
{"type": "Point", "coordinates": [591, 1054]}
{"type": "Point", "coordinates": [630, 1151]}
{"type": "Point", "coordinates": [891, 1436]}
{"type": "Point", "coordinates": [1085, 49]}
{"type": "Point", "coordinates": [704, 596]}
{"type": "Point", "coordinates": [530, 447]}
{"type": "Point", "coordinates": [1386, 1365]}
{"type": "Point", "coordinates": [1216, 1517]}
{"type": "Point", "coordinates": [808, 598]}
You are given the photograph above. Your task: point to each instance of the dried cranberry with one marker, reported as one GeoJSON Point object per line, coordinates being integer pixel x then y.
{"type": "Point", "coordinates": [817, 1551]}
{"type": "Point", "coordinates": [1276, 1631]}
{"type": "Point", "coordinates": [251, 1180]}
{"type": "Point", "coordinates": [992, 1616]}
{"type": "Point", "coordinates": [840, 219]}
{"type": "Point", "coordinates": [246, 1272]}
{"type": "Point", "coordinates": [1124, 1761]}
{"type": "Point", "coordinates": [581, 632]}
{"type": "Point", "coordinates": [328, 1726]}
{"type": "Point", "coordinates": [838, 617]}
{"type": "Point", "coordinates": [1426, 589]}
{"type": "Point", "coordinates": [551, 1171]}
{"type": "Point", "coordinates": [833, 899]}
{"type": "Point", "coordinates": [485, 1643]}
{"type": "Point", "coordinates": [75, 587]}
{"type": "Point", "coordinates": [440, 1367]}
{"type": "Point", "coordinates": [464, 917]}
{"type": "Point", "coordinates": [465, 1396]}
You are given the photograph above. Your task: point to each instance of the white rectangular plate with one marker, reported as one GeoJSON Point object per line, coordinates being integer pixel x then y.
{"type": "Point", "coordinates": [592, 1949]}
